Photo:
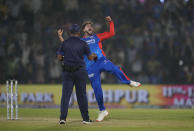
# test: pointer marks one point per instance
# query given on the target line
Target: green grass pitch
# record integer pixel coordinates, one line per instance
(118, 120)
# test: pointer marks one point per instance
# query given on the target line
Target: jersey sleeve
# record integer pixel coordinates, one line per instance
(60, 50)
(106, 35)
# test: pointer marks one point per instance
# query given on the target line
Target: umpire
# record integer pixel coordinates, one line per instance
(71, 53)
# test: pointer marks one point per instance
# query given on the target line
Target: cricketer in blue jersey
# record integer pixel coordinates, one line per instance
(102, 64)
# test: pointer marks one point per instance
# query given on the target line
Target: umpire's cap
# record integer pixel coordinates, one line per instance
(74, 28)
(85, 23)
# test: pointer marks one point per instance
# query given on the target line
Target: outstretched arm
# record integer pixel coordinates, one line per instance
(106, 35)
(60, 33)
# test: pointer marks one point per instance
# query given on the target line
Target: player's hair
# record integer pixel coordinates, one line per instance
(85, 23)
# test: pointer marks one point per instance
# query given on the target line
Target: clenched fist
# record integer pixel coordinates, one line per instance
(108, 18)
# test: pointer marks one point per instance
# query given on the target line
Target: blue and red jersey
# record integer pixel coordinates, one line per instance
(95, 43)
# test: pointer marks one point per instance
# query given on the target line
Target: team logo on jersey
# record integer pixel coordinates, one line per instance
(91, 41)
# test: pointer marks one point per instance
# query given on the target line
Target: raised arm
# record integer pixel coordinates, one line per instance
(60, 33)
(60, 52)
(106, 35)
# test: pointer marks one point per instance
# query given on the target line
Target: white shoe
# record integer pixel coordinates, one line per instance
(134, 84)
(87, 122)
(62, 122)
(101, 115)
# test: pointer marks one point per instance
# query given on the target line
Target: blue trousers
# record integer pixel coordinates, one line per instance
(104, 65)
(79, 79)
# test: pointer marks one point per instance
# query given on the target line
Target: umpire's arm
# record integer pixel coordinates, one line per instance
(60, 33)
(60, 52)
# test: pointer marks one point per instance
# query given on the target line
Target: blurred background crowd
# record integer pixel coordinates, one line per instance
(154, 41)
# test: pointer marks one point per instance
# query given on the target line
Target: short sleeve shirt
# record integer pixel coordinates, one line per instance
(73, 49)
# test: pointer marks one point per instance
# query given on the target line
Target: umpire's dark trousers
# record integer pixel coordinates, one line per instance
(78, 78)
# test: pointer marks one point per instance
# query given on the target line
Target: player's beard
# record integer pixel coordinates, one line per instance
(90, 32)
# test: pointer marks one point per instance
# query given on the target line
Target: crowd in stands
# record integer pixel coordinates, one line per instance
(154, 41)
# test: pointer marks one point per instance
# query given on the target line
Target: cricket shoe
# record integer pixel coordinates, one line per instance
(101, 115)
(134, 84)
(62, 122)
(87, 122)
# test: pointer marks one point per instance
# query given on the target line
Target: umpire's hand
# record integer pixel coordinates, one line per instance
(60, 32)
(93, 56)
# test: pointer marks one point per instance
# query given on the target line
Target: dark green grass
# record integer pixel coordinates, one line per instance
(118, 120)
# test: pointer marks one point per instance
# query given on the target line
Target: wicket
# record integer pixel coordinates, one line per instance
(12, 96)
